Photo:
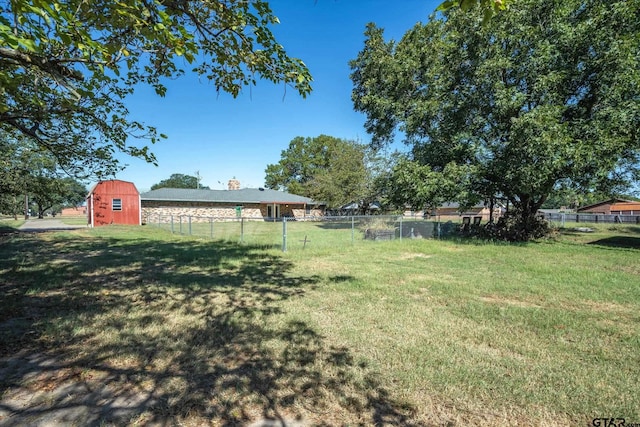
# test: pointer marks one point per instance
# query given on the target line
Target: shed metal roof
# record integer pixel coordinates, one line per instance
(245, 195)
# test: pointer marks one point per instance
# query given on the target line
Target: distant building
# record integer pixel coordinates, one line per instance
(612, 207)
(75, 211)
(114, 202)
(453, 211)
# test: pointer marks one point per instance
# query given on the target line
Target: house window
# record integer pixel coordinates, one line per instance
(116, 204)
(307, 210)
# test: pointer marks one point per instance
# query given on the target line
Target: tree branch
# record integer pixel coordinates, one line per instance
(46, 65)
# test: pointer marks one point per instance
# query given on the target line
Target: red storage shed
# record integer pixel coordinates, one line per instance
(114, 202)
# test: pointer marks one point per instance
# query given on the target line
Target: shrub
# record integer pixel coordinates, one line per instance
(513, 227)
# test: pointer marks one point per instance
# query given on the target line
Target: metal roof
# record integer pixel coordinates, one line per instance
(604, 202)
(245, 195)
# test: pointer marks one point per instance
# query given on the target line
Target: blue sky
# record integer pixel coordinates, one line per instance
(221, 137)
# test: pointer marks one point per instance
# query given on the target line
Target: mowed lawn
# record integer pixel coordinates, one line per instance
(134, 325)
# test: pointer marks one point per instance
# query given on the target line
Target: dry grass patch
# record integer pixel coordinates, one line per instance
(496, 299)
(412, 255)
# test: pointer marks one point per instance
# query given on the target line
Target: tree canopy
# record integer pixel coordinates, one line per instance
(333, 170)
(488, 7)
(342, 181)
(178, 180)
(51, 193)
(67, 66)
(299, 163)
(546, 96)
(27, 171)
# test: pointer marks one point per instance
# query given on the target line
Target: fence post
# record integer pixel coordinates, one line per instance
(400, 227)
(284, 234)
(159, 221)
(353, 230)
(241, 230)
(439, 231)
(172, 231)
(211, 227)
(180, 223)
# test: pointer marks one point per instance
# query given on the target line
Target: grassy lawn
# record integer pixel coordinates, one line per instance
(9, 225)
(336, 233)
(419, 332)
(73, 220)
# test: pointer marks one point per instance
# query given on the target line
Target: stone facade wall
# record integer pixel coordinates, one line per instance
(301, 214)
(154, 212)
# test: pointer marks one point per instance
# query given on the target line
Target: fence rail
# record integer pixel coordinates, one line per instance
(337, 232)
(318, 232)
(562, 218)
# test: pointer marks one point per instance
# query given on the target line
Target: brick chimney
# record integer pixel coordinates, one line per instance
(234, 184)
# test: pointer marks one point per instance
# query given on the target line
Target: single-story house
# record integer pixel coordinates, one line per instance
(612, 207)
(114, 202)
(250, 203)
(453, 211)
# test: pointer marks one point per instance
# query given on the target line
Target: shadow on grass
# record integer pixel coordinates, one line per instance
(338, 225)
(618, 242)
(108, 330)
(7, 230)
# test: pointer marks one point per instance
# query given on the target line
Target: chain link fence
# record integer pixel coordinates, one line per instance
(334, 232)
(562, 219)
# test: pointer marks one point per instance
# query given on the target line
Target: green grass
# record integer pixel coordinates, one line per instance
(418, 332)
(9, 225)
(338, 233)
(73, 220)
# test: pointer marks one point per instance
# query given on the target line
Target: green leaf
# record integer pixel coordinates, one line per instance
(466, 5)
(446, 5)
(82, 49)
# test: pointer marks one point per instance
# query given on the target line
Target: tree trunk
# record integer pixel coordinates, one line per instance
(527, 220)
(491, 205)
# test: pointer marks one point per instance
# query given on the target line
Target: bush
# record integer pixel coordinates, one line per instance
(514, 227)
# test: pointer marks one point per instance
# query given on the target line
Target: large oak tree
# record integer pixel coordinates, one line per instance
(26, 171)
(328, 169)
(547, 95)
(67, 67)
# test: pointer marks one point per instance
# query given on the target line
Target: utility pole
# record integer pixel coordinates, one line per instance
(198, 179)
(26, 206)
